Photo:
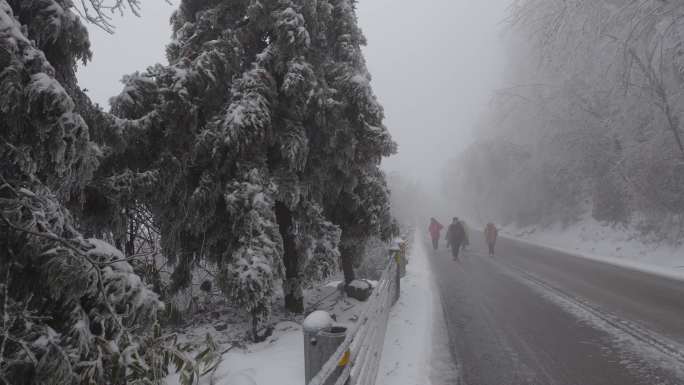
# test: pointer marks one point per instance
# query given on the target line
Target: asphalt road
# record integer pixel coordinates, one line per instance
(534, 316)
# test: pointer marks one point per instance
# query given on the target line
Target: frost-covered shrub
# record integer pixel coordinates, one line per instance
(376, 256)
(248, 276)
(73, 309)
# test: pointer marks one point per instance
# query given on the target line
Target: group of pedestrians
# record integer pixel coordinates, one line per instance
(457, 235)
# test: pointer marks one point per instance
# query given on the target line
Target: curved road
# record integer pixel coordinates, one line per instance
(535, 316)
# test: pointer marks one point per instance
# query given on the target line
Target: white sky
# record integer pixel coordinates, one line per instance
(434, 66)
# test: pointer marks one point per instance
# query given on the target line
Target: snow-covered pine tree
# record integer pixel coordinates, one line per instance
(355, 141)
(73, 311)
(263, 118)
(219, 196)
(202, 208)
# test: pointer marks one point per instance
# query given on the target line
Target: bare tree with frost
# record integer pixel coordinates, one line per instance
(596, 103)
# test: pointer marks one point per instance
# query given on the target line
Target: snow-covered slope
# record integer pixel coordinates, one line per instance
(613, 244)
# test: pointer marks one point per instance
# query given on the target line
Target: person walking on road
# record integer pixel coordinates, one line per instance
(490, 236)
(466, 239)
(455, 236)
(435, 229)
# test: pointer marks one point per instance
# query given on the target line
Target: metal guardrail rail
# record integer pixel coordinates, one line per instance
(360, 352)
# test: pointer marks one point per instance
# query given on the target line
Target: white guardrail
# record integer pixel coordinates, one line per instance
(359, 354)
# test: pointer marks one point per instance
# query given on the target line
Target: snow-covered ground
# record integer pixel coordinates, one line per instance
(617, 245)
(415, 351)
(279, 359)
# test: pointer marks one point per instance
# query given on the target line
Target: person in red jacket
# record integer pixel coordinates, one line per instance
(435, 229)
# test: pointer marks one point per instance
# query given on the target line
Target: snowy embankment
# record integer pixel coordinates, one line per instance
(279, 359)
(616, 245)
(415, 351)
(416, 344)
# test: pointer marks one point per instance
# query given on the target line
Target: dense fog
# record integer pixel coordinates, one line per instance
(587, 122)
(229, 166)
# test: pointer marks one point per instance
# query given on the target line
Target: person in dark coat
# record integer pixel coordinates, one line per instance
(435, 229)
(455, 236)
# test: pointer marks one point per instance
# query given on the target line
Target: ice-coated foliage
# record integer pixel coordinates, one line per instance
(248, 276)
(38, 114)
(73, 310)
(263, 134)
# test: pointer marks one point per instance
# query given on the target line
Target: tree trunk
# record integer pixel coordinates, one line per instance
(292, 284)
(130, 242)
(672, 122)
(347, 262)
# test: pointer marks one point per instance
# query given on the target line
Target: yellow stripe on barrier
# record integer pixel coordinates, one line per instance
(344, 361)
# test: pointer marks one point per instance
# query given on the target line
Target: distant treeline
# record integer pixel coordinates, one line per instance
(589, 123)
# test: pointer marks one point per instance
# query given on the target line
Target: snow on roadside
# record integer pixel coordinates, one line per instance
(414, 331)
(279, 359)
(615, 245)
(415, 350)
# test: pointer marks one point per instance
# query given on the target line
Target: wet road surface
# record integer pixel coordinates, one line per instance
(534, 316)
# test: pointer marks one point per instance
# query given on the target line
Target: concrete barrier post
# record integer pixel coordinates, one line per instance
(404, 252)
(395, 253)
(397, 284)
(321, 340)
